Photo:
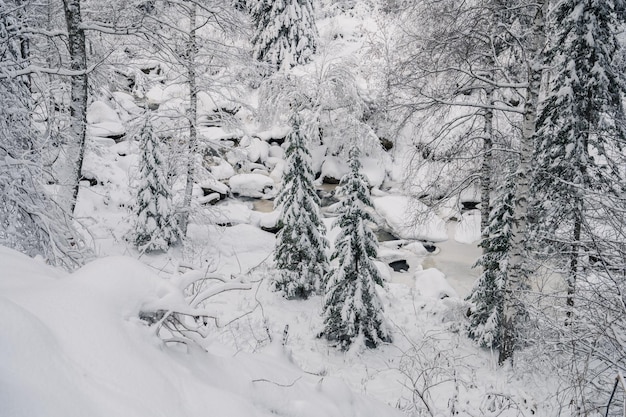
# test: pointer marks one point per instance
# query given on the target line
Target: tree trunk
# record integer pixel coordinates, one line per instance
(513, 308)
(78, 102)
(574, 271)
(191, 55)
(486, 169)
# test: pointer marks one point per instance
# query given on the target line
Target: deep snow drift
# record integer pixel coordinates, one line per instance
(73, 345)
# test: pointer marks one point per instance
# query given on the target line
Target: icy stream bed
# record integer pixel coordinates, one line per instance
(452, 258)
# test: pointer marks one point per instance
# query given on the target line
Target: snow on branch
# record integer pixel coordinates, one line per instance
(183, 316)
(36, 69)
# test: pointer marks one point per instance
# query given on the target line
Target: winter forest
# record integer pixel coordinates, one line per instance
(368, 208)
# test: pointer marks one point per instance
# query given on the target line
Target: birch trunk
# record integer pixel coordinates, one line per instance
(486, 169)
(75, 149)
(191, 55)
(513, 308)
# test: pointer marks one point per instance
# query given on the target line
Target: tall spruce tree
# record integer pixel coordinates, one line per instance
(581, 132)
(352, 307)
(486, 297)
(285, 33)
(300, 247)
(155, 227)
(579, 187)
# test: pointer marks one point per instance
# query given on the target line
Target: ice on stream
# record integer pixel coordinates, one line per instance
(452, 258)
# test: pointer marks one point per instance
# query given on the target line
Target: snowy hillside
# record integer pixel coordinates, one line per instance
(73, 345)
(165, 297)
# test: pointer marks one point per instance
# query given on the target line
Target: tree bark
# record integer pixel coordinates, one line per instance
(486, 169)
(191, 55)
(513, 308)
(78, 101)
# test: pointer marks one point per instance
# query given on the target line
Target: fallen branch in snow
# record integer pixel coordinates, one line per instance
(276, 383)
(184, 316)
(619, 381)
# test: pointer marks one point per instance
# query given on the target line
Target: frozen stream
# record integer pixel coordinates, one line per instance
(452, 258)
(455, 260)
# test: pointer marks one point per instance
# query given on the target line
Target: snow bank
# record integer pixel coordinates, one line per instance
(103, 121)
(432, 283)
(73, 346)
(252, 185)
(334, 168)
(468, 228)
(410, 219)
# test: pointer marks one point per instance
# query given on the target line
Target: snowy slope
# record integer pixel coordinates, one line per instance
(73, 345)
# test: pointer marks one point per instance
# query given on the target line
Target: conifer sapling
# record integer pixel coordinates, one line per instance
(155, 225)
(353, 310)
(487, 295)
(300, 247)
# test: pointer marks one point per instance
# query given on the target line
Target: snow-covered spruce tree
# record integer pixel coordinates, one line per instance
(300, 245)
(581, 132)
(579, 187)
(486, 296)
(285, 34)
(155, 227)
(352, 307)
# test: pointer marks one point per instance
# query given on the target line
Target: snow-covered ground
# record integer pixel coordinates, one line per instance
(73, 345)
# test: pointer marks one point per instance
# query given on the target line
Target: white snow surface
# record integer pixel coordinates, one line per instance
(468, 228)
(74, 346)
(432, 283)
(252, 185)
(333, 167)
(410, 219)
(103, 121)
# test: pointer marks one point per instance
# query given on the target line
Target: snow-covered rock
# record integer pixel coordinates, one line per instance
(318, 153)
(106, 130)
(410, 219)
(216, 133)
(374, 171)
(276, 151)
(252, 185)
(103, 121)
(100, 112)
(223, 170)
(276, 134)
(155, 95)
(256, 149)
(432, 283)
(333, 169)
(266, 221)
(209, 185)
(126, 102)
